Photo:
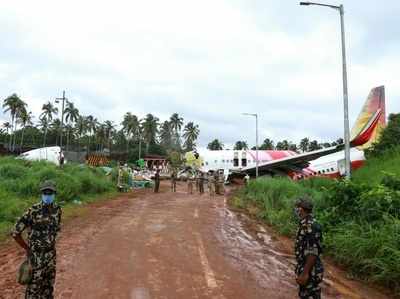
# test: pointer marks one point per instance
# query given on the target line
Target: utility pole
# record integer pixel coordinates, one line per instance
(340, 8)
(63, 99)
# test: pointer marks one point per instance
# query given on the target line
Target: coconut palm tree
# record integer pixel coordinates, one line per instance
(25, 119)
(80, 129)
(130, 126)
(71, 116)
(215, 145)
(109, 128)
(191, 132)
(92, 125)
(14, 105)
(46, 117)
(7, 126)
(150, 130)
(166, 134)
(176, 125)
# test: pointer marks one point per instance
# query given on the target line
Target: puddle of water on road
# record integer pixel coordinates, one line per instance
(268, 267)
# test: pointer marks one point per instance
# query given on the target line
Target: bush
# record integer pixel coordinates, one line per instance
(20, 181)
(361, 222)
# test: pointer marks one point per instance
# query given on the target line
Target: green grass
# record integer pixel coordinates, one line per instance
(360, 218)
(375, 168)
(20, 180)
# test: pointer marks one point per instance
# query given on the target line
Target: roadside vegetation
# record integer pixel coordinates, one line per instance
(20, 180)
(360, 218)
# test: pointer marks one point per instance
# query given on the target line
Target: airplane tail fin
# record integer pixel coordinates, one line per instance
(371, 120)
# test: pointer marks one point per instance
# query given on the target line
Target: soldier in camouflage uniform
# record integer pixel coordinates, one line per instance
(42, 222)
(308, 249)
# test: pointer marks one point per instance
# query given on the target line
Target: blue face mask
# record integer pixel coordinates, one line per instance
(48, 198)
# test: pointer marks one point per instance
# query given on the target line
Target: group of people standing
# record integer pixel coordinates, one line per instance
(213, 179)
(196, 182)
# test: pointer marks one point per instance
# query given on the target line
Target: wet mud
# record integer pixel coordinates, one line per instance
(172, 245)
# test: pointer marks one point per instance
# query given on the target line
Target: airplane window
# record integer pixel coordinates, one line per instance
(206, 163)
(332, 169)
(216, 161)
(319, 171)
(223, 161)
(323, 170)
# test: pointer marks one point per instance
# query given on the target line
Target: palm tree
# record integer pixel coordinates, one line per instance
(15, 105)
(7, 126)
(71, 116)
(241, 145)
(25, 119)
(92, 124)
(109, 128)
(166, 134)
(130, 125)
(150, 130)
(215, 145)
(191, 132)
(80, 129)
(46, 117)
(304, 144)
(176, 125)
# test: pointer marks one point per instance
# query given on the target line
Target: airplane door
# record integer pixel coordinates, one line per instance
(235, 159)
(244, 159)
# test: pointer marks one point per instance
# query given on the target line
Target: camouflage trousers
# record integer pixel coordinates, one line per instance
(211, 188)
(43, 276)
(312, 289)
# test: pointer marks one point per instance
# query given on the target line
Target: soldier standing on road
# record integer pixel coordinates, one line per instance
(157, 181)
(211, 183)
(43, 222)
(197, 180)
(190, 182)
(308, 249)
(173, 181)
(221, 181)
(201, 183)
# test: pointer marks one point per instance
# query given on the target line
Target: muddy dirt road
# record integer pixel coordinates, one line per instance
(171, 246)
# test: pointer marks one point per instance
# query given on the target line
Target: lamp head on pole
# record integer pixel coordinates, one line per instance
(304, 3)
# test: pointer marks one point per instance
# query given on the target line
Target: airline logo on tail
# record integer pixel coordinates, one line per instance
(371, 120)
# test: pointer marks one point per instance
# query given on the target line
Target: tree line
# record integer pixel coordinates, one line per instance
(86, 132)
(305, 145)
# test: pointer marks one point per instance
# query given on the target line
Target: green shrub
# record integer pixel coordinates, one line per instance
(360, 221)
(20, 181)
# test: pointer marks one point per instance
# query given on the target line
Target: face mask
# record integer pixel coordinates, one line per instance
(48, 198)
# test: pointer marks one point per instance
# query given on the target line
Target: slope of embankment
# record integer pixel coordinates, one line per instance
(360, 218)
(20, 181)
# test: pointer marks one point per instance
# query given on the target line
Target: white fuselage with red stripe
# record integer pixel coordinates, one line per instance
(235, 160)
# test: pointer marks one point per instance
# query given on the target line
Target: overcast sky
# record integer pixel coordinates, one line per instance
(207, 60)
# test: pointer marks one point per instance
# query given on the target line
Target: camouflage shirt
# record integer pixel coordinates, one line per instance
(42, 222)
(308, 241)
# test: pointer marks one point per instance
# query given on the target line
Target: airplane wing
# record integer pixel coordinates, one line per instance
(291, 163)
(366, 131)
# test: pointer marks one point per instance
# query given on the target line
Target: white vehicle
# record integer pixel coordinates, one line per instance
(50, 154)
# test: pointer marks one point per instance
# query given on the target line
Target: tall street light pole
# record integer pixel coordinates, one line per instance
(345, 92)
(63, 99)
(256, 116)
